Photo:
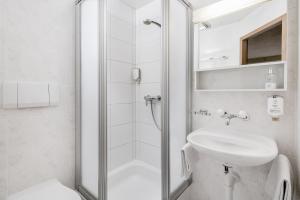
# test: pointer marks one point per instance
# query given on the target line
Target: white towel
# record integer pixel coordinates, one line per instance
(186, 169)
(279, 184)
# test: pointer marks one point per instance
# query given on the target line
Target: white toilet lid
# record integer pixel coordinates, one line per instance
(49, 190)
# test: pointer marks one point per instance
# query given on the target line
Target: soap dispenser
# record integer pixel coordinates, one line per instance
(270, 80)
(275, 107)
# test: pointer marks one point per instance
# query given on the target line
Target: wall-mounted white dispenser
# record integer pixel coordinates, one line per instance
(275, 107)
(136, 75)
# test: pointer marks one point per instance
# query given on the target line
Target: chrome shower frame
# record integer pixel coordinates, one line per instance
(165, 143)
(165, 147)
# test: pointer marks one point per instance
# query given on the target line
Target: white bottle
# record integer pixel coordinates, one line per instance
(271, 80)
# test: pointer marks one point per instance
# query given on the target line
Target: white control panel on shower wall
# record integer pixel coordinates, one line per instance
(20, 94)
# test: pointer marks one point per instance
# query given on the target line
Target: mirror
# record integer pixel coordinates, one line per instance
(243, 32)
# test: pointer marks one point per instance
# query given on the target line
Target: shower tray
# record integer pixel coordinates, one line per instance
(134, 181)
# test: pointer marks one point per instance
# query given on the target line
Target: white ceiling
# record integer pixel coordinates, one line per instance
(137, 3)
(195, 3)
(201, 3)
(232, 18)
(215, 20)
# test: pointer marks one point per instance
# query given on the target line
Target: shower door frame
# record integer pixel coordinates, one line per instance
(165, 145)
(165, 119)
(102, 46)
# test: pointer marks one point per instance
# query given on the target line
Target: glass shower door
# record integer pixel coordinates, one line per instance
(122, 146)
(177, 86)
(88, 97)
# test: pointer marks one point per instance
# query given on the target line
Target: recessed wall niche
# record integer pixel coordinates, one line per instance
(265, 44)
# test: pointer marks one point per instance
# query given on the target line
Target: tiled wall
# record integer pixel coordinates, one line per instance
(121, 89)
(208, 175)
(37, 44)
(132, 133)
(148, 51)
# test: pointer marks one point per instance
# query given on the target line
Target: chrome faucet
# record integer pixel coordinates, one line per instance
(228, 116)
(152, 99)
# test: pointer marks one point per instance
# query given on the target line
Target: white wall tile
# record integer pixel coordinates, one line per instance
(121, 93)
(121, 135)
(151, 72)
(148, 52)
(148, 153)
(120, 72)
(121, 114)
(147, 34)
(121, 51)
(121, 10)
(148, 134)
(121, 29)
(121, 155)
(143, 113)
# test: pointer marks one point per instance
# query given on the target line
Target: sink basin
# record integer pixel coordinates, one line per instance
(234, 149)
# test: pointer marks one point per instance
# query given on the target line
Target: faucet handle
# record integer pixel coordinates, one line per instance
(243, 115)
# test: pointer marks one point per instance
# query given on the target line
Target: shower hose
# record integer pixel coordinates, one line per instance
(153, 116)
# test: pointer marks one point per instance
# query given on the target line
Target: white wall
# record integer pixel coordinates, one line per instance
(208, 174)
(37, 43)
(121, 59)
(148, 59)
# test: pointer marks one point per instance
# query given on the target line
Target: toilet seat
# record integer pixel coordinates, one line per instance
(49, 190)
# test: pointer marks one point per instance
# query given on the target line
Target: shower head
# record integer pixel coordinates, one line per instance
(204, 26)
(149, 22)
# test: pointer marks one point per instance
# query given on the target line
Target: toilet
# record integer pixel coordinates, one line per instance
(49, 190)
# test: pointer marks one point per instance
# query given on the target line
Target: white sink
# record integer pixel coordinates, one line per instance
(234, 149)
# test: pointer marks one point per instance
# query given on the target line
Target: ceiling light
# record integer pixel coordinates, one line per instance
(222, 8)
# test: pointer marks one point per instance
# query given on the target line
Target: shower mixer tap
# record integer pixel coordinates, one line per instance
(152, 99)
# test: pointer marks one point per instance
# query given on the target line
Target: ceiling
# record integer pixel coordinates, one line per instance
(201, 3)
(207, 13)
(232, 18)
(196, 3)
(137, 3)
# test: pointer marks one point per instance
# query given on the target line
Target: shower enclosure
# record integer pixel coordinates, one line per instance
(133, 98)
